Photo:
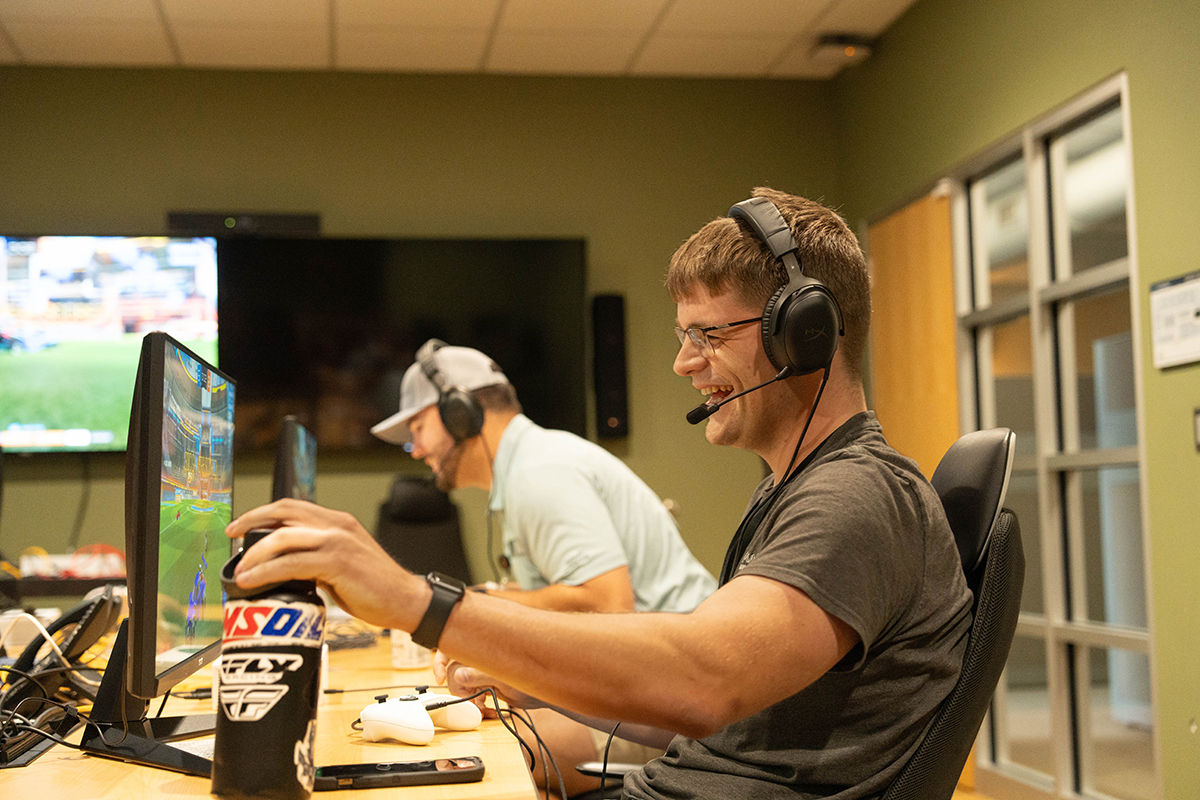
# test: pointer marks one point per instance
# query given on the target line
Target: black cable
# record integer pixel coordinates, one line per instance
(385, 688)
(548, 759)
(27, 676)
(8, 723)
(604, 763)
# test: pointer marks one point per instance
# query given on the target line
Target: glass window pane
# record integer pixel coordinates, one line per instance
(1115, 725)
(1005, 231)
(1012, 377)
(1112, 540)
(1022, 499)
(1094, 188)
(1022, 733)
(1105, 398)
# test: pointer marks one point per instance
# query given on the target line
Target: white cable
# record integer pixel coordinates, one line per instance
(53, 644)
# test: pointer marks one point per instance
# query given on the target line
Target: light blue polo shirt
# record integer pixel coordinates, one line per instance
(571, 511)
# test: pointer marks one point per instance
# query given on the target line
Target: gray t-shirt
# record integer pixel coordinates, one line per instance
(571, 511)
(862, 533)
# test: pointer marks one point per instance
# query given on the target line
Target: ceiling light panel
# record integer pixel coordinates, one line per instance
(463, 14)
(392, 48)
(92, 43)
(78, 10)
(593, 16)
(549, 53)
(780, 18)
(252, 47)
(276, 14)
(703, 56)
(870, 17)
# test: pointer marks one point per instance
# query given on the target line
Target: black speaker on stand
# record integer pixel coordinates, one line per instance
(608, 366)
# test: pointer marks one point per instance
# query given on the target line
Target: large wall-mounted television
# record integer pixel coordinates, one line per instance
(323, 329)
(73, 310)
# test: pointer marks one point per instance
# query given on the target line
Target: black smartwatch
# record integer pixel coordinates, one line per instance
(447, 592)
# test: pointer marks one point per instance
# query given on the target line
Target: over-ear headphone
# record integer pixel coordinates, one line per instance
(802, 321)
(460, 411)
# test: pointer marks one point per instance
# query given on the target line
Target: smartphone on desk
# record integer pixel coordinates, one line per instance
(465, 769)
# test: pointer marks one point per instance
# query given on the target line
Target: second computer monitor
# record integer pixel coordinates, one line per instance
(295, 462)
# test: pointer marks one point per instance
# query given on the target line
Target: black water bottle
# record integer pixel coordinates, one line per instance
(267, 688)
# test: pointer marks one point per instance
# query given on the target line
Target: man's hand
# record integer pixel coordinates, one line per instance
(464, 681)
(331, 547)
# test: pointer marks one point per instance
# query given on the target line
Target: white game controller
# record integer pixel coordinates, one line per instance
(412, 718)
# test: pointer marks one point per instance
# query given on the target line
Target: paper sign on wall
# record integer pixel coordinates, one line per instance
(1175, 320)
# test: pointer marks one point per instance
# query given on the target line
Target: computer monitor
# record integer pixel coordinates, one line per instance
(295, 462)
(178, 500)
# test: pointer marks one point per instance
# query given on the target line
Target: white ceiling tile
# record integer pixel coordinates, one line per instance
(78, 10)
(754, 17)
(594, 16)
(868, 17)
(7, 54)
(547, 53)
(420, 13)
(252, 47)
(691, 55)
(92, 43)
(394, 49)
(683, 37)
(229, 13)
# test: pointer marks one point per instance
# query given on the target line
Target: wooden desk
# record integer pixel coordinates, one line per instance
(72, 775)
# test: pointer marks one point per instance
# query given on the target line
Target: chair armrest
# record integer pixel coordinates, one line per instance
(596, 769)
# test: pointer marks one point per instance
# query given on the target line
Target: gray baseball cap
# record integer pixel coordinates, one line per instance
(459, 367)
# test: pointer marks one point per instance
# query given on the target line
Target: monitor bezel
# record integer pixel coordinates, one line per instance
(142, 503)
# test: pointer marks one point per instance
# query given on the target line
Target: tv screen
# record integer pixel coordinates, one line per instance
(73, 310)
(323, 329)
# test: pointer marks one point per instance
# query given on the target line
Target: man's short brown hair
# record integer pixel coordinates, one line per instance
(498, 397)
(727, 255)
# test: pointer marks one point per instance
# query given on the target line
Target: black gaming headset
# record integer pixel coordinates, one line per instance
(801, 322)
(460, 411)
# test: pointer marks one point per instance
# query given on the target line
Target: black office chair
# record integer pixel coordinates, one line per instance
(972, 480)
(419, 527)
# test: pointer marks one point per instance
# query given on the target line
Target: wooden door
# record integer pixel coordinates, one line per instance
(914, 388)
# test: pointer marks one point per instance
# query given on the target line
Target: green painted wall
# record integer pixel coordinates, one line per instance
(633, 166)
(951, 78)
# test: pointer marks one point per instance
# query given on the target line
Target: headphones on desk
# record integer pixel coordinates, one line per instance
(801, 322)
(460, 412)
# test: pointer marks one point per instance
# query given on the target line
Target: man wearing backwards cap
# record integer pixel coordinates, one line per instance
(581, 532)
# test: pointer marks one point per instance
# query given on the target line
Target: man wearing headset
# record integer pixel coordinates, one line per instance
(580, 531)
(842, 614)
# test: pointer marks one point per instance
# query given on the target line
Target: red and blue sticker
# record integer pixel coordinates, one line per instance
(266, 623)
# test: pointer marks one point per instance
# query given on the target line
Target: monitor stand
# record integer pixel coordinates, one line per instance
(120, 729)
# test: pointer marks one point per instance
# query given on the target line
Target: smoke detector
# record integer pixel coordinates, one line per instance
(841, 49)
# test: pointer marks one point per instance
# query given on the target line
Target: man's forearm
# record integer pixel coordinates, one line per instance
(560, 597)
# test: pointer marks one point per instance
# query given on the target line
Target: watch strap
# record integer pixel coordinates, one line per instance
(447, 592)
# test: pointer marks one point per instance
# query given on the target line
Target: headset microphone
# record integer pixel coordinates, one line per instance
(705, 410)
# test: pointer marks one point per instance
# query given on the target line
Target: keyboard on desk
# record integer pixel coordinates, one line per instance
(202, 747)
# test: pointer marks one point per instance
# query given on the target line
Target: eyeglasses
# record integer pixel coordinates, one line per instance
(699, 336)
